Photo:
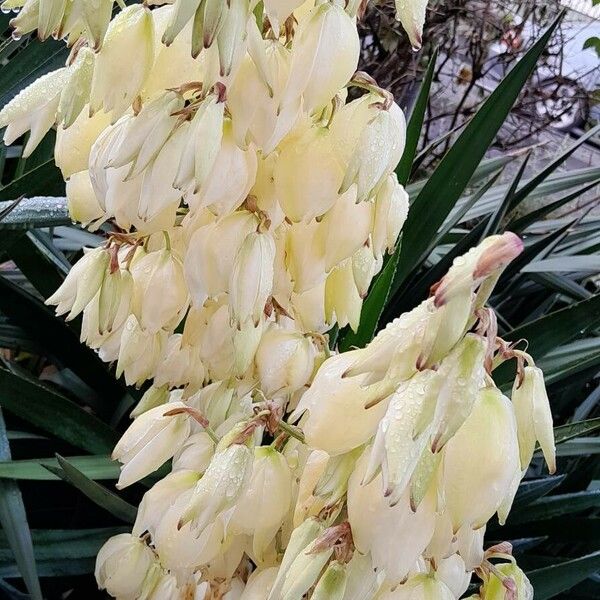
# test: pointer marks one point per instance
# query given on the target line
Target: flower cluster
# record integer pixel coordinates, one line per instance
(248, 203)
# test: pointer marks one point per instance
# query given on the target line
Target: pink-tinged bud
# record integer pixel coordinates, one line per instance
(470, 271)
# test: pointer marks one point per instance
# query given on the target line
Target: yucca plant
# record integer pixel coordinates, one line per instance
(64, 409)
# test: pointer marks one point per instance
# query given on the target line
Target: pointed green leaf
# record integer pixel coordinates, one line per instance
(14, 523)
(415, 123)
(97, 493)
(550, 581)
(452, 175)
(48, 410)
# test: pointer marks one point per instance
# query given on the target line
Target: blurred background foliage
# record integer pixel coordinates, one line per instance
(489, 149)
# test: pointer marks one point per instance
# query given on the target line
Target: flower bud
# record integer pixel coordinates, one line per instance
(96, 18)
(404, 432)
(202, 145)
(150, 441)
(81, 200)
(265, 502)
(195, 454)
(391, 210)
(337, 420)
(232, 176)
(153, 397)
(139, 352)
(348, 225)
(482, 264)
(129, 38)
(343, 302)
(309, 151)
(301, 539)
(33, 109)
(378, 150)
(489, 437)
(507, 581)
(332, 584)
(220, 487)
(304, 571)
(278, 11)
(146, 133)
(122, 566)
(211, 253)
(81, 284)
(305, 255)
(534, 417)
(231, 38)
(73, 145)
(362, 581)
(364, 267)
(411, 13)
(160, 497)
(463, 375)
(251, 280)
(76, 93)
(284, 361)
(453, 572)
(259, 584)
(258, 119)
(420, 587)
(324, 56)
(394, 535)
(161, 270)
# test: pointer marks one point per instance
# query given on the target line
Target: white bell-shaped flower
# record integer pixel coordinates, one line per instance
(390, 212)
(81, 200)
(265, 502)
(161, 270)
(343, 301)
(259, 584)
(284, 360)
(394, 535)
(123, 565)
(160, 497)
(251, 280)
(130, 37)
(309, 150)
(150, 441)
(488, 436)
(411, 13)
(324, 56)
(76, 93)
(337, 420)
(534, 417)
(211, 253)
(82, 283)
(33, 109)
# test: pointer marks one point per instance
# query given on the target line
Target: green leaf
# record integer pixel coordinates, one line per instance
(498, 215)
(58, 339)
(38, 211)
(31, 62)
(94, 467)
(372, 307)
(565, 264)
(532, 490)
(537, 215)
(535, 181)
(97, 493)
(14, 523)
(550, 581)
(415, 123)
(570, 431)
(448, 181)
(54, 413)
(44, 180)
(558, 328)
(51, 567)
(64, 543)
(555, 506)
